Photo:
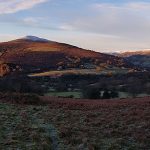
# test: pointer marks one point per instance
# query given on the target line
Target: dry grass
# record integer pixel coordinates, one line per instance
(65, 72)
(93, 124)
(18, 98)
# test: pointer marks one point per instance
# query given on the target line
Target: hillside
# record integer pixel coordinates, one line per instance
(75, 124)
(33, 53)
(132, 53)
(138, 58)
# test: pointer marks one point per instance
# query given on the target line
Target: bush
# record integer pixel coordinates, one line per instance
(91, 93)
(106, 95)
(20, 84)
(18, 98)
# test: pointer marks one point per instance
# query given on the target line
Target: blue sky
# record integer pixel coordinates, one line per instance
(101, 25)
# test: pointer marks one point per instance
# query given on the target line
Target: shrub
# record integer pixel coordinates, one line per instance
(18, 98)
(91, 93)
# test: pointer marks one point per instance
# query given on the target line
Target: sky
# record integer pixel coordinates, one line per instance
(100, 25)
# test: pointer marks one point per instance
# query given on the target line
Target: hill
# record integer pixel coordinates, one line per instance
(138, 58)
(33, 53)
(132, 53)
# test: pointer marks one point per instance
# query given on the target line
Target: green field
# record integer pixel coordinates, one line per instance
(78, 95)
(65, 94)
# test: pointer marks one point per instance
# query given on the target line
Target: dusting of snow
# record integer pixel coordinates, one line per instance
(35, 39)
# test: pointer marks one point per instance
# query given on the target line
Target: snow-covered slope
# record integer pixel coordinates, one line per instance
(35, 39)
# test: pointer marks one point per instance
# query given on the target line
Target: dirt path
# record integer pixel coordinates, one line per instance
(56, 142)
(49, 128)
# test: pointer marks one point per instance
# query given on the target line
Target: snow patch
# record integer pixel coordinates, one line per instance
(35, 39)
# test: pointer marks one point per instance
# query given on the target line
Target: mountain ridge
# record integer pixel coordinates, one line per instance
(131, 53)
(138, 58)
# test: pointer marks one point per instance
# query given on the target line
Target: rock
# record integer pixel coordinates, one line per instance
(4, 69)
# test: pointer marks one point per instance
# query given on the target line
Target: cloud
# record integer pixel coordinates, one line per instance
(127, 20)
(125, 6)
(31, 21)
(12, 6)
(66, 27)
(108, 26)
(138, 5)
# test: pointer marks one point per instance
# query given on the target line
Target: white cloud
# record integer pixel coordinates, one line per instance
(66, 27)
(110, 26)
(99, 26)
(128, 20)
(128, 6)
(12, 6)
(31, 21)
(138, 5)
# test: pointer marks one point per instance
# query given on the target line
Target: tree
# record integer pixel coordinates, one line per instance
(114, 94)
(91, 93)
(106, 95)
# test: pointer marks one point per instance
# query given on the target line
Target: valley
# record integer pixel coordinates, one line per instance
(58, 96)
(74, 75)
(46, 67)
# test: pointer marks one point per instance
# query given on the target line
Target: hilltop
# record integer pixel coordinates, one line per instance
(131, 53)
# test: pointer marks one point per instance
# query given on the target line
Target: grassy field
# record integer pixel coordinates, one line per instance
(68, 124)
(62, 72)
(65, 94)
(79, 71)
(79, 95)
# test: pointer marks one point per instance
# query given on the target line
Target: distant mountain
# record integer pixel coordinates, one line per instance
(138, 58)
(34, 53)
(133, 53)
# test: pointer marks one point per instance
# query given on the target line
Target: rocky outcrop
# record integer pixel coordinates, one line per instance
(4, 69)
